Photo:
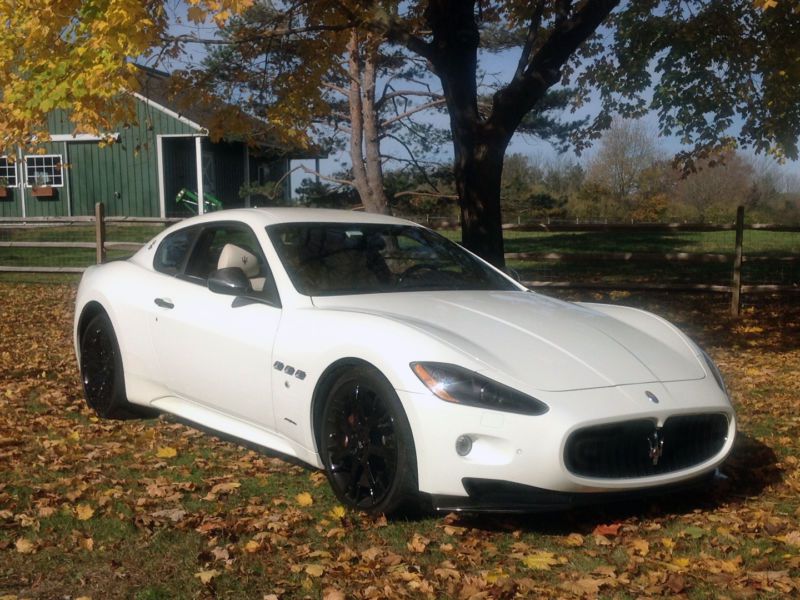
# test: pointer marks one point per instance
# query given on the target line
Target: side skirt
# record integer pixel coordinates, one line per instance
(232, 429)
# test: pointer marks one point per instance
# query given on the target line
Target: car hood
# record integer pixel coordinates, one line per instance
(544, 343)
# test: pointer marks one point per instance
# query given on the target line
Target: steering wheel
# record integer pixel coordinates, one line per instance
(415, 269)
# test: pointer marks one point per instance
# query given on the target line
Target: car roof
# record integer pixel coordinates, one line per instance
(262, 217)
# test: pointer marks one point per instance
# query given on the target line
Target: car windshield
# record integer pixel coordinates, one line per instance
(328, 259)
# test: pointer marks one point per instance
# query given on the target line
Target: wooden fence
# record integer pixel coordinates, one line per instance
(736, 287)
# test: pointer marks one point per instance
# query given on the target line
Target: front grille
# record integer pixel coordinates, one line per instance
(624, 450)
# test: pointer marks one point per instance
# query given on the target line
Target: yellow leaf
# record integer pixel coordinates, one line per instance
(681, 563)
(304, 499)
(25, 546)
(540, 560)
(495, 576)
(84, 512)
(206, 576)
(225, 487)
(338, 512)
(252, 546)
(640, 547)
(74, 436)
(315, 570)
(418, 543)
(792, 538)
(574, 539)
(196, 14)
(166, 452)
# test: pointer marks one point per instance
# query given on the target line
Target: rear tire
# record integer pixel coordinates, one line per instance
(367, 446)
(102, 373)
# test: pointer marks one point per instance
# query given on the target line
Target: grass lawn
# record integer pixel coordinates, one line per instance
(763, 243)
(155, 509)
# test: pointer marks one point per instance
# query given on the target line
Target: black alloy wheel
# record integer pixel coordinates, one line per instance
(101, 370)
(367, 445)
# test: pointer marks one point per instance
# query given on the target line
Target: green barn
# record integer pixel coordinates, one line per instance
(168, 150)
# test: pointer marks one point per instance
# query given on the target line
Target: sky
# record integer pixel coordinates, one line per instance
(497, 68)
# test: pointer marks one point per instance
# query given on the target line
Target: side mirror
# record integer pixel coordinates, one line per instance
(230, 281)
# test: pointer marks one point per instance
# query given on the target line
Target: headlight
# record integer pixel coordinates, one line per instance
(456, 384)
(714, 371)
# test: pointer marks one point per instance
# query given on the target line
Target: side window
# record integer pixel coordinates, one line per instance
(230, 245)
(172, 251)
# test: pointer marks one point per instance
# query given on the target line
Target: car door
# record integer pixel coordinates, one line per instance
(215, 349)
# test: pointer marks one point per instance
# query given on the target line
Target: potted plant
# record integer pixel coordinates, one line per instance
(4, 192)
(40, 187)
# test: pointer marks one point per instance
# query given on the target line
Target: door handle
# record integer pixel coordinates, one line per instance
(164, 303)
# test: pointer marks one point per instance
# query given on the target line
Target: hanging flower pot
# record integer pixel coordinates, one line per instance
(4, 193)
(44, 191)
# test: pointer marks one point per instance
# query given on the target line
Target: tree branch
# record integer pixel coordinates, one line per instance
(413, 160)
(515, 100)
(396, 33)
(427, 194)
(335, 88)
(530, 38)
(186, 38)
(416, 109)
(404, 93)
(346, 182)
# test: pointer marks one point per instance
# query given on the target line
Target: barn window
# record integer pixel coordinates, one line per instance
(8, 172)
(44, 170)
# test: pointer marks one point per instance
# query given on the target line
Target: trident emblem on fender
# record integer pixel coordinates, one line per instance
(656, 446)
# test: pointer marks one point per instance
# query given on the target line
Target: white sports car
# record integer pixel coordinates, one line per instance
(397, 361)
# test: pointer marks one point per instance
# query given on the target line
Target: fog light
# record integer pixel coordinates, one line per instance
(463, 445)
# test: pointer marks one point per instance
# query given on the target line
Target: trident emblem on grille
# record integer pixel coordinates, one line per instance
(656, 446)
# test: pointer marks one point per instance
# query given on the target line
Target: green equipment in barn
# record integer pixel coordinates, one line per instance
(187, 199)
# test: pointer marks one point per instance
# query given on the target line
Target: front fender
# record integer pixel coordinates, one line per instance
(310, 340)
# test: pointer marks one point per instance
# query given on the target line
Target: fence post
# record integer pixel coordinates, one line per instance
(736, 284)
(100, 231)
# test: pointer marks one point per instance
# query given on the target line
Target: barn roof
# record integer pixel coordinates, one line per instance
(212, 115)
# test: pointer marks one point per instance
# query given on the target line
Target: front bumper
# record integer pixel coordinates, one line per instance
(528, 451)
(485, 495)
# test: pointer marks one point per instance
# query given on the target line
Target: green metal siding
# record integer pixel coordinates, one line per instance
(10, 206)
(58, 122)
(124, 175)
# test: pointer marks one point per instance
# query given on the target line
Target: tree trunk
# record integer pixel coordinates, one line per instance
(372, 140)
(478, 148)
(478, 169)
(480, 143)
(365, 153)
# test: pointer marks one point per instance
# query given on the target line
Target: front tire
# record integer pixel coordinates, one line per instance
(101, 370)
(367, 446)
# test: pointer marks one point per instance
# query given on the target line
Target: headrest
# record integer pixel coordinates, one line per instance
(235, 256)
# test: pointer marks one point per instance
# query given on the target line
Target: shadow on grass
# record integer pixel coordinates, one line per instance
(749, 470)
